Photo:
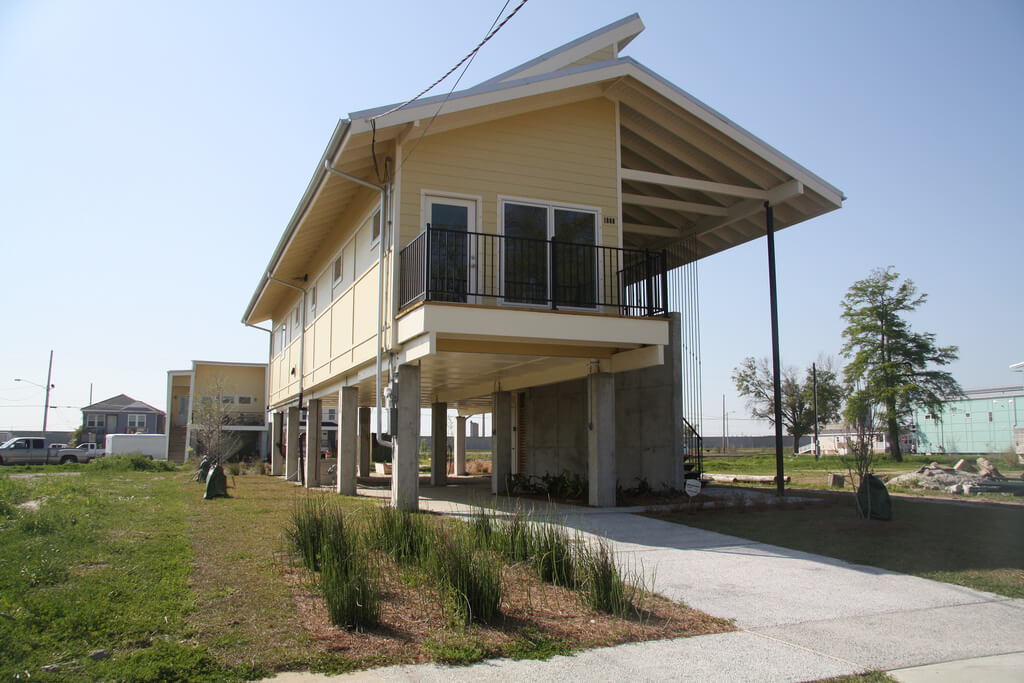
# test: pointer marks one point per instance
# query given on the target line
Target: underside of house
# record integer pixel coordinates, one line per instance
(527, 247)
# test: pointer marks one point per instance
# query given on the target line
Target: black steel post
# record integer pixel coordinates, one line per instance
(664, 282)
(554, 269)
(648, 290)
(770, 229)
(426, 263)
(814, 380)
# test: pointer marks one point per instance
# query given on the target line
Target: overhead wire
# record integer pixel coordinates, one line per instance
(470, 56)
(426, 128)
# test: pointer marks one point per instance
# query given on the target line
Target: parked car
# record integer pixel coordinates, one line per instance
(58, 446)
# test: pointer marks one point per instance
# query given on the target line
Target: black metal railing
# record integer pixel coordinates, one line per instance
(456, 266)
(693, 451)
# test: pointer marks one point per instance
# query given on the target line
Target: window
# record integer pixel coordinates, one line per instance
(339, 269)
(990, 416)
(245, 400)
(94, 421)
(375, 228)
(535, 234)
(227, 399)
(312, 302)
(332, 415)
(137, 422)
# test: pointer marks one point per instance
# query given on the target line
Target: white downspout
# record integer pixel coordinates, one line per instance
(384, 213)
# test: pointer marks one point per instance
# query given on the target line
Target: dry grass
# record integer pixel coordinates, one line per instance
(256, 607)
(478, 466)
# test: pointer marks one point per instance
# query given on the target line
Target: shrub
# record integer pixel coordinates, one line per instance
(130, 463)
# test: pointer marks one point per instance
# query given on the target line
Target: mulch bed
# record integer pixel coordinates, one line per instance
(530, 608)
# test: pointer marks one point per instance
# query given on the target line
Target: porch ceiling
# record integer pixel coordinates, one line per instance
(685, 180)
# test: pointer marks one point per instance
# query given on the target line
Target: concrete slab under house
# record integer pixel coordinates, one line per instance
(526, 247)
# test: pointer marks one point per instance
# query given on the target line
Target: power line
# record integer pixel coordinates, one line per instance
(454, 85)
(489, 35)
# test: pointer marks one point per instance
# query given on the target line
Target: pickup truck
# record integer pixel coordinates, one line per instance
(27, 450)
(83, 452)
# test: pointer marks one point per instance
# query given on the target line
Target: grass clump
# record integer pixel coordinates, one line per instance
(352, 596)
(606, 587)
(399, 533)
(458, 652)
(470, 575)
(554, 558)
(131, 463)
(306, 530)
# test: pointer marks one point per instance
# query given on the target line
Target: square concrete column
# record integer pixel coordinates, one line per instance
(439, 444)
(276, 443)
(601, 470)
(348, 439)
(460, 446)
(405, 464)
(312, 443)
(501, 442)
(365, 442)
(291, 445)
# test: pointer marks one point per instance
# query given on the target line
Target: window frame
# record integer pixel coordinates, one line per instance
(134, 418)
(551, 207)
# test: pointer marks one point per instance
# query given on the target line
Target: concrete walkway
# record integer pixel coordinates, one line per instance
(802, 616)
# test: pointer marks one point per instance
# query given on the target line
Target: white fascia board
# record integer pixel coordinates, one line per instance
(229, 363)
(721, 123)
(616, 35)
(494, 94)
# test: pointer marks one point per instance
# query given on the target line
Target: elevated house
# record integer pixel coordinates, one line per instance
(525, 247)
(241, 388)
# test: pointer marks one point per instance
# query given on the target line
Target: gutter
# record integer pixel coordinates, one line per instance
(380, 282)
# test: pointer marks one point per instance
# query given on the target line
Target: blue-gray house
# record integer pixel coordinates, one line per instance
(120, 415)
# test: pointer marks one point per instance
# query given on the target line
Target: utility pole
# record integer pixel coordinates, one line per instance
(814, 380)
(723, 424)
(90, 393)
(46, 404)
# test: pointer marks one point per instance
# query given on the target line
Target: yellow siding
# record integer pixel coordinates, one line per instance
(565, 154)
(234, 380)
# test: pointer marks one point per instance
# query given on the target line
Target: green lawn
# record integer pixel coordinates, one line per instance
(805, 472)
(970, 544)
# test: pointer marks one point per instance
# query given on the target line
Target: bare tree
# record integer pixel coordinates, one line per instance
(860, 455)
(211, 413)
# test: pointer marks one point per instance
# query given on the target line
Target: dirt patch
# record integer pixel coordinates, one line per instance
(530, 608)
(30, 505)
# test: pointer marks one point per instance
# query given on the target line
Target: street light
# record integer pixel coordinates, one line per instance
(47, 387)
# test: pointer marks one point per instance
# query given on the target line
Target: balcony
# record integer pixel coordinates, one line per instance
(478, 268)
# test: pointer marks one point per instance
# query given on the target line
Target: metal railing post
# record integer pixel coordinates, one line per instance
(554, 279)
(649, 290)
(426, 263)
(664, 282)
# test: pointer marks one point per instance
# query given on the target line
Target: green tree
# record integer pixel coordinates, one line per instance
(893, 366)
(754, 380)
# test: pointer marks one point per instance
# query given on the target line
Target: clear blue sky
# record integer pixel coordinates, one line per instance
(151, 154)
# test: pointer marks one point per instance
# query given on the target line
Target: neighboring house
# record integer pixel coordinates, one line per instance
(120, 414)
(525, 247)
(981, 421)
(240, 387)
(839, 439)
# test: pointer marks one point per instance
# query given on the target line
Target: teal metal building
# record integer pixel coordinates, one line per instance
(981, 422)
